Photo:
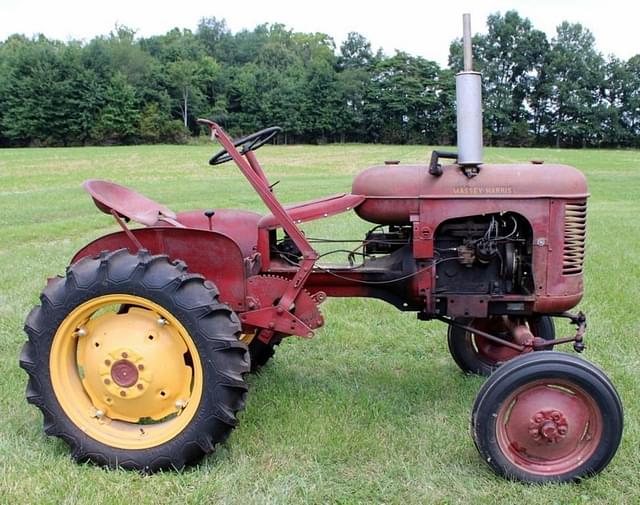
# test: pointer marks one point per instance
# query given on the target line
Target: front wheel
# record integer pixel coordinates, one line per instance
(547, 417)
(477, 355)
(134, 362)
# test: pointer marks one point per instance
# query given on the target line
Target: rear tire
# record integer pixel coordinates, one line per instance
(476, 355)
(261, 353)
(547, 417)
(134, 362)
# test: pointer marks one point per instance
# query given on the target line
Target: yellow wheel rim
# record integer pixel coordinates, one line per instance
(131, 380)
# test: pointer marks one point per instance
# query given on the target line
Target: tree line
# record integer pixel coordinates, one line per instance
(121, 89)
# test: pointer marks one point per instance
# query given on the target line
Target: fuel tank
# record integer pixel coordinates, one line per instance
(393, 192)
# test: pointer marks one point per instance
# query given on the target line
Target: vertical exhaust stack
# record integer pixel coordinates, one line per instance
(469, 105)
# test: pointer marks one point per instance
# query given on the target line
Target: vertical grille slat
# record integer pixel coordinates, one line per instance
(575, 232)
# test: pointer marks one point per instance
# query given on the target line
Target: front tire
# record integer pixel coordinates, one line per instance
(547, 417)
(134, 363)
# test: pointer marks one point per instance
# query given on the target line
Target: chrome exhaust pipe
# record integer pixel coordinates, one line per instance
(469, 105)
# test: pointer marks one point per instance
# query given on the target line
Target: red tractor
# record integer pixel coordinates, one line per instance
(137, 355)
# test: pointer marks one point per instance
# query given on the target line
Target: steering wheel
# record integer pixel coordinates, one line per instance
(245, 144)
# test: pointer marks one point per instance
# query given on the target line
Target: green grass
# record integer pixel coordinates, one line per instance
(373, 410)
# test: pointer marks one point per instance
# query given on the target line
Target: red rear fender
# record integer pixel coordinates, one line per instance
(213, 255)
(239, 225)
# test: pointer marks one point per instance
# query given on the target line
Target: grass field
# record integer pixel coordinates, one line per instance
(371, 411)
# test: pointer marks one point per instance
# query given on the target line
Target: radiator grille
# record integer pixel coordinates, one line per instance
(575, 230)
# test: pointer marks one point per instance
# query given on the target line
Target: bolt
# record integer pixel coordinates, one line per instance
(140, 386)
(107, 362)
(140, 367)
(279, 310)
(562, 430)
(180, 404)
(549, 430)
(123, 393)
(272, 325)
(538, 418)
(124, 355)
(162, 321)
(81, 332)
(99, 413)
(107, 381)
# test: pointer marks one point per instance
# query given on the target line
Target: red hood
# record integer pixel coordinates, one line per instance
(493, 181)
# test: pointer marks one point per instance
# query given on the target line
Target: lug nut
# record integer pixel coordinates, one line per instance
(81, 332)
(140, 386)
(123, 393)
(180, 404)
(124, 355)
(99, 413)
(107, 381)
(107, 362)
(162, 321)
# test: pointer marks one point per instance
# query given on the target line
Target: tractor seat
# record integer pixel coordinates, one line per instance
(315, 209)
(127, 203)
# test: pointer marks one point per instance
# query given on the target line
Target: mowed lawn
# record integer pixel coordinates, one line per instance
(372, 410)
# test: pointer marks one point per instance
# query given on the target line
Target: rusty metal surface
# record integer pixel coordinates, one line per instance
(393, 192)
(265, 292)
(239, 225)
(550, 197)
(213, 255)
(128, 203)
(315, 209)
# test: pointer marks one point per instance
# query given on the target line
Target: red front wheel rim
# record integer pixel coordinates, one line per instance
(549, 427)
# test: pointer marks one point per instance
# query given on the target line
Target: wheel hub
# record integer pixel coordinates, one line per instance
(133, 367)
(548, 425)
(123, 369)
(124, 373)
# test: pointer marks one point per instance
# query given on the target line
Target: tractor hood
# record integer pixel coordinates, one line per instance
(393, 191)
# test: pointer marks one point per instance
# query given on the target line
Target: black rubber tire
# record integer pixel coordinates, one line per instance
(465, 355)
(213, 327)
(533, 367)
(261, 353)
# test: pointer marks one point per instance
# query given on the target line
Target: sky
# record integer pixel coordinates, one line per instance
(422, 28)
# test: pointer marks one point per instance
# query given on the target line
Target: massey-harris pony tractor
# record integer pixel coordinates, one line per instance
(137, 355)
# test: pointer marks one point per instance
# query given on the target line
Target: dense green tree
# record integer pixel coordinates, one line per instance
(356, 63)
(48, 97)
(576, 72)
(118, 119)
(629, 101)
(402, 100)
(213, 33)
